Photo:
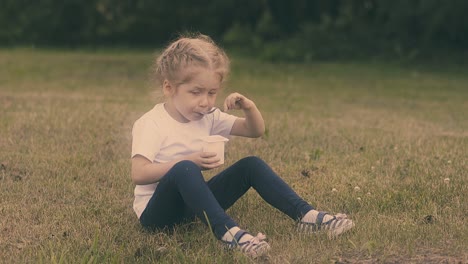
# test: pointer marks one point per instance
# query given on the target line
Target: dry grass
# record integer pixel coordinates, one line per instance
(396, 132)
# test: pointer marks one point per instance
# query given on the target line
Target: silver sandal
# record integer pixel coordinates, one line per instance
(334, 227)
(255, 247)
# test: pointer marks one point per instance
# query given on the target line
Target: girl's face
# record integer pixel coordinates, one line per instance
(190, 100)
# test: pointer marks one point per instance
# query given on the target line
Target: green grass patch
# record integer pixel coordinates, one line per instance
(385, 143)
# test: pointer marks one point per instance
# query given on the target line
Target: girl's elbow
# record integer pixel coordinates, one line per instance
(135, 179)
(260, 131)
(257, 133)
(138, 179)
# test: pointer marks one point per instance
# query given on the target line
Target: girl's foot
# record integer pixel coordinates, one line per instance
(315, 221)
(252, 246)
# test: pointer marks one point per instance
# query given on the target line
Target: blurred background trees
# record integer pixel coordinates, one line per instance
(298, 30)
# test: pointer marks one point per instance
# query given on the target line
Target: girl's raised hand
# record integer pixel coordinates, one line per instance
(205, 160)
(237, 101)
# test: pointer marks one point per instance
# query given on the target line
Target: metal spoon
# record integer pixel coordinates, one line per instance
(214, 108)
(211, 110)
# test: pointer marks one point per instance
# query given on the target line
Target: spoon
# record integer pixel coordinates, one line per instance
(211, 110)
(214, 108)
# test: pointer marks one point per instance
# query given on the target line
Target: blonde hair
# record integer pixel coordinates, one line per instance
(193, 50)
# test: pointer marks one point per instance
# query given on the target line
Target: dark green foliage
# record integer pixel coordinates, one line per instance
(297, 30)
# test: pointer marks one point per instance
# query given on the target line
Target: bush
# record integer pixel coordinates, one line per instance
(276, 30)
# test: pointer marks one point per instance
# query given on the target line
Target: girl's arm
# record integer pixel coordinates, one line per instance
(252, 125)
(146, 172)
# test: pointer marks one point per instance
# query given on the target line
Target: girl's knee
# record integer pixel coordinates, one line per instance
(259, 174)
(253, 161)
(255, 167)
(185, 169)
(185, 166)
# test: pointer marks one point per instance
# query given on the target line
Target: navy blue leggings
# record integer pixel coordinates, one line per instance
(183, 194)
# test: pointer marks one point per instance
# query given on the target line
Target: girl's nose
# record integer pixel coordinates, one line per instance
(204, 101)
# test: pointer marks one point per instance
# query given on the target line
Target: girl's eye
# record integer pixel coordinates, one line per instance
(195, 92)
(212, 93)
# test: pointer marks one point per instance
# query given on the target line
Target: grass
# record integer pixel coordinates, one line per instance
(398, 132)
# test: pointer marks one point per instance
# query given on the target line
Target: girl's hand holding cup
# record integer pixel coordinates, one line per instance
(205, 160)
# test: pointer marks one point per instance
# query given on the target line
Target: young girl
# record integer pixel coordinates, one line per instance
(167, 160)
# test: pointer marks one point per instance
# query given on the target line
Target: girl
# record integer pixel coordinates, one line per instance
(167, 160)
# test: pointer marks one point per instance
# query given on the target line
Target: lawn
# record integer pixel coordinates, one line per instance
(386, 143)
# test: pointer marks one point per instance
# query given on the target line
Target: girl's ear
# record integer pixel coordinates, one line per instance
(167, 88)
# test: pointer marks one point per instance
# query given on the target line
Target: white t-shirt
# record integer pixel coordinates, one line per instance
(160, 138)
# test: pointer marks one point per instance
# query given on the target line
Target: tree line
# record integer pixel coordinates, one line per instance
(273, 29)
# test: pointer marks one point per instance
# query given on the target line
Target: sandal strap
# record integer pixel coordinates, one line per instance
(238, 236)
(336, 225)
(254, 247)
(329, 221)
(320, 217)
(255, 244)
(319, 224)
(235, 241)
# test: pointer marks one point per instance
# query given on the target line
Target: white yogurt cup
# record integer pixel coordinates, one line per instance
(215, 144)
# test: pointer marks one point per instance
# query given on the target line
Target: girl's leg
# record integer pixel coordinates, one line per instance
(183, 192)
(232, 183)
